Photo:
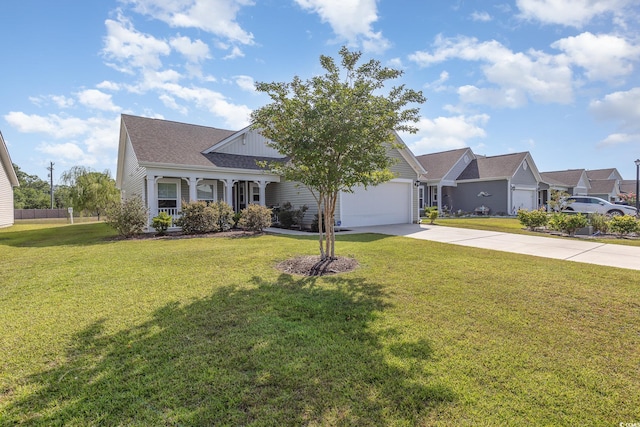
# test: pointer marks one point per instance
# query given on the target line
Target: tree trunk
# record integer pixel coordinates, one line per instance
(320, 233)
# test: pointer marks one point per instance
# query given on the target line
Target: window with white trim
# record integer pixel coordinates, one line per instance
(206, 192)
(167, 195)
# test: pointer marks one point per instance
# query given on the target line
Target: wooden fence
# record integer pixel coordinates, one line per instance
(40, 213)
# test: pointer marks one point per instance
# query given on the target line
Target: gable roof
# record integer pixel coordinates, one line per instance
(502, 166)
(603, 186)
(439, 164)
(7, 164)
(167, 142)
(628, 186)
(597, 174)
(569, 178)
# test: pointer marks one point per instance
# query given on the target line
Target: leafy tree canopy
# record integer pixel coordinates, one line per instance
(89, 190)
(33, 192)
(336, 129)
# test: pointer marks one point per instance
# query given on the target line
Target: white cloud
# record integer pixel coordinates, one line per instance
(107, 85)
(236, 52)
(130, 48)
(481, 16)
(213, 16)
(603, 56)
(533, 75)
(624, 109)
(194, 51)
(92, 138)
(445, 133)
(245, 83)
(97, 100)
(170, 102)
(60, 101)
(351, 20)
(573, 13)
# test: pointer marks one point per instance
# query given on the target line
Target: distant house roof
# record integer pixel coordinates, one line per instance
(628, 186)
(439, 164)
(569, 178)
(597, 174)
(502, 166)
(603, 186)
(167, 142)
(7, 164)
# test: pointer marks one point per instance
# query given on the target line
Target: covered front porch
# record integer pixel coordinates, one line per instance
(166, 192)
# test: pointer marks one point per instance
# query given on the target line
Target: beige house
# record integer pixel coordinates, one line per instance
(166, 163)
(8, 180)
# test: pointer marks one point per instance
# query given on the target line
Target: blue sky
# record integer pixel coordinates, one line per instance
(557, 78)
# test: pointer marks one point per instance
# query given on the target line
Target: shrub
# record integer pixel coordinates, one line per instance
(599, 222)
(255, 217)
(289, 217)
(129, 217)
(162, 222)
(433, 215)
(623, 225)
(225, 215)
(557, 221)
(314, 224)
(573, 222)
(533, 219)
(197, 218)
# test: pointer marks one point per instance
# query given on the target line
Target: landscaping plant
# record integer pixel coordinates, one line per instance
(162, 222)
(128, 217)
(197, 218)
(225, 215)
(533, 219)
(624, 225)
(255, 218)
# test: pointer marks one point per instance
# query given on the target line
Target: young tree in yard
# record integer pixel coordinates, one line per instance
(335, 129)
(89, 190)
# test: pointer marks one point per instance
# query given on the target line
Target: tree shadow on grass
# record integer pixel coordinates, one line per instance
(285, 352)
(63, 235)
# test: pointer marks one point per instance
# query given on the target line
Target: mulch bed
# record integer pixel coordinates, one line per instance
(312, 265)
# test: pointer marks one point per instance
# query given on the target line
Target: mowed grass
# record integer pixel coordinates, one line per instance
(205, 331)
(512, 225)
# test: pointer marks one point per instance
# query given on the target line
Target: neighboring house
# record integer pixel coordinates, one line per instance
(167, 163)
(503, 184)
(628, 186)
(459, 180)
(605, 183)
(8, 180)
(443, 169)
(572, 181)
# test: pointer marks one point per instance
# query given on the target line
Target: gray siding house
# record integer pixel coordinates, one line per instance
(461, 181)
(167, 163)
(8, 180)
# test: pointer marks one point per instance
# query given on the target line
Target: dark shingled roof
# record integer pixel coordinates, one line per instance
(628, 186)
(167, 142)
(503, 166)
(602, 186)
(600, 173)
(438, 164)
(569, 178)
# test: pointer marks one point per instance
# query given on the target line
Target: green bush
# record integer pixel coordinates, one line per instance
(573, 222)
(197, 218)
(255, 218)
(533, 219)
(557, 221)
(225, 215)
(129, 217)
(162, 222)
(433, 215)
(623, 225)
(289, 217)
(599, 222)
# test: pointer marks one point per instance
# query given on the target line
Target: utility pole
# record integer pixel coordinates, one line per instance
(50, 169)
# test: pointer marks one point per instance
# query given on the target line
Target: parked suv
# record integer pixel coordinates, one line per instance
(588, 204)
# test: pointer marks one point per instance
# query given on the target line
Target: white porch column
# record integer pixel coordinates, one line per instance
(193, 193)
(229, 191)
(152, 200)
(262, 185)
(439, 197)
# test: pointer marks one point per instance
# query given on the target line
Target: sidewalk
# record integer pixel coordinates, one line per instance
(577, 250)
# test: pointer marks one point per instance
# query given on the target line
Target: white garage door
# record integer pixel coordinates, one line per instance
(524, 199)
(388, 203)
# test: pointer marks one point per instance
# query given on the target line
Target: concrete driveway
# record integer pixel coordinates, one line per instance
(578, 250)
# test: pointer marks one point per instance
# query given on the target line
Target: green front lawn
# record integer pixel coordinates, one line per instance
(205, 331)
(512, 225)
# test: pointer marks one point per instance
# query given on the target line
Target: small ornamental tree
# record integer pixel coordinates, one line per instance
(335, 130)
(559, 200)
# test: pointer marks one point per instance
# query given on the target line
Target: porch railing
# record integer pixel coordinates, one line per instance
(172, 212)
